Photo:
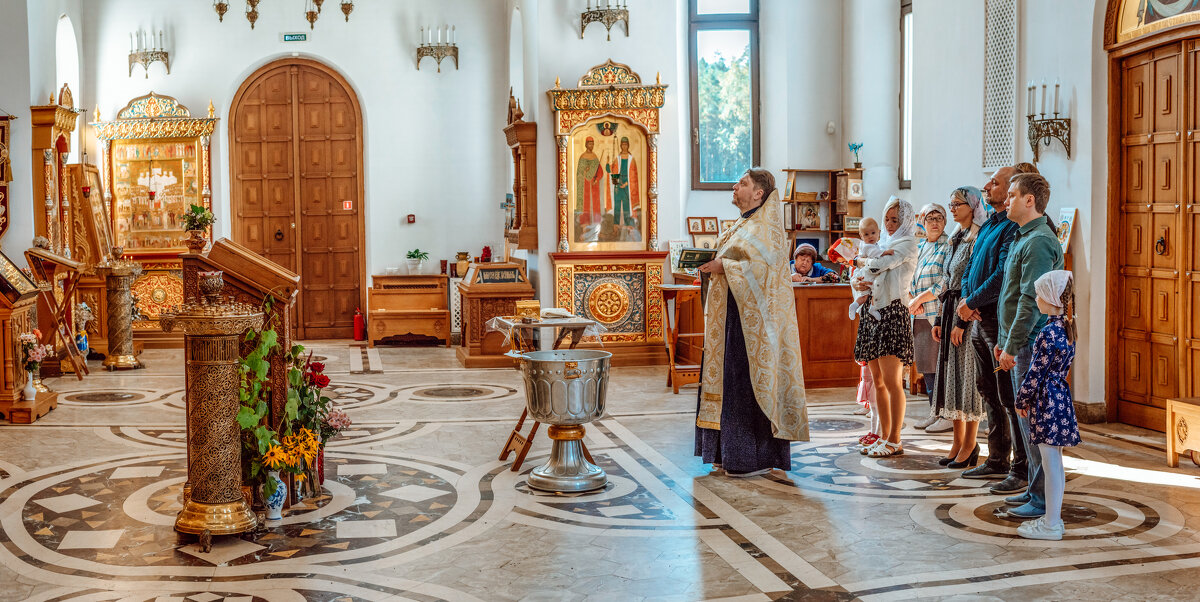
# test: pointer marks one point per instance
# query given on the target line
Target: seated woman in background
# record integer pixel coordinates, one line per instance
(806, 269)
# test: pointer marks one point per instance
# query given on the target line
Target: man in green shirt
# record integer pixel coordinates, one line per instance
(1034, 251)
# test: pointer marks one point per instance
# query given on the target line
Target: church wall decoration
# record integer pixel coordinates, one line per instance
(608, 193)
(1138, 18)
(5, 169)
(157, 161)
(608, 267)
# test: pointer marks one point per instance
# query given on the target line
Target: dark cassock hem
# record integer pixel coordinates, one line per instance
(744, 442)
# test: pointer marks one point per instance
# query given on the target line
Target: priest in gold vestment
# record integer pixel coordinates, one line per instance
(752, 401)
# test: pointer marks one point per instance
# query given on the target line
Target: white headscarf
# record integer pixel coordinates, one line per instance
(908, 220)
(973, 197)
(1051, 285)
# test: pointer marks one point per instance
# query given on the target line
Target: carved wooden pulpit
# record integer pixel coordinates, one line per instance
(249, 278)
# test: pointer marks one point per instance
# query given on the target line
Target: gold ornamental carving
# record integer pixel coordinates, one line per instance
(118, 279)
(213, 329)
(608, 302)
(1181, 430)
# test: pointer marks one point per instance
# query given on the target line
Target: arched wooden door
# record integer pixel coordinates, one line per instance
(296, 134)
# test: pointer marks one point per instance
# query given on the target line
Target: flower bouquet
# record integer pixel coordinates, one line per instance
(33, 353)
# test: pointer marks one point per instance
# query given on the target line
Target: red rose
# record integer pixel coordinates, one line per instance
(321, 381)
(316, 367)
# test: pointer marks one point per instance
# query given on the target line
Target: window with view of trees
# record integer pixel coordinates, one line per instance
(723, 47)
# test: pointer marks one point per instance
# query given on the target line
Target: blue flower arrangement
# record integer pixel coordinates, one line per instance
(854, 147)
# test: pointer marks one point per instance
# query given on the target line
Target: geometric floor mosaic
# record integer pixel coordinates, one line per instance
(416, 506)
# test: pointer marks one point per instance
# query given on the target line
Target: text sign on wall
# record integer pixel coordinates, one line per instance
(295, 37)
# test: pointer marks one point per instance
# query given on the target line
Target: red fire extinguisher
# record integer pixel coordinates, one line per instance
(360, 325)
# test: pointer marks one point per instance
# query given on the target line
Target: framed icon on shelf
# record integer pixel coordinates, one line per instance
(808, 216)
(854, 190)
(704, 241)
(710, 225)
(851, 224)
(698, 225)
(727, 224)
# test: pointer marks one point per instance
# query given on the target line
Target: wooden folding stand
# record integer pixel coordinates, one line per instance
(46, 268)
(679, 374)
(575, 328)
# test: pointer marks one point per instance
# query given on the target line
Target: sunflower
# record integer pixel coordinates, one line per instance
(276, 458)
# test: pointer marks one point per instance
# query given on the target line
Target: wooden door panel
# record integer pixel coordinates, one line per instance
(342, 158)
(345, 232)
(1136, 304)
(1162, 306)
(1137, 174)
(1192, 371)
(1136, 95)
(1167, 81)
(1164, 373)
(1137, 235)
(1134, 370)
(1192, 240)
(341, 119)
(1163, 243)
(1166, 174)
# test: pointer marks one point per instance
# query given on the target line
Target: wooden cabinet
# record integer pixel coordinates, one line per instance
(489, 290)
(18, 315)
(520, 228)
(408, 307)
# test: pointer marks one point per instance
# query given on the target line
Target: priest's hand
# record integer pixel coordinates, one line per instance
(713, 267)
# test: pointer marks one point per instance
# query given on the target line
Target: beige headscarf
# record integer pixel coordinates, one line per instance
(754, 254)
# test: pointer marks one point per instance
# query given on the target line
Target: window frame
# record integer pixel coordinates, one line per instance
(905, 10)
(737, 21)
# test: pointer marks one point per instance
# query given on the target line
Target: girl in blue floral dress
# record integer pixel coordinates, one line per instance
(1045, 397)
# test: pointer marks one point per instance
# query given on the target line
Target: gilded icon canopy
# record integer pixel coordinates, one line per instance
(607, 136)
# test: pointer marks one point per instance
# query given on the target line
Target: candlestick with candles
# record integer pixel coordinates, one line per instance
(147, 50)
(445, 46)
(1043, 129)
(611, 14)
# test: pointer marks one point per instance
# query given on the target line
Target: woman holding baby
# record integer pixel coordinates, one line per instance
(885, 335)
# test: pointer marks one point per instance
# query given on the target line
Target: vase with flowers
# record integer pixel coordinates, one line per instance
(33, 353)
(196, 220)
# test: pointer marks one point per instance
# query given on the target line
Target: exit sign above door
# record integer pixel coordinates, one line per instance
(295, 37)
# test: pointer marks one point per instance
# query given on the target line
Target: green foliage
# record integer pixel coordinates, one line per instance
(726, 118)
(197, 218)
(418, 254)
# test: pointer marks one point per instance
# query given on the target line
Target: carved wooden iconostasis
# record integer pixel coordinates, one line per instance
(156, 160)
(607, 266)
(5, 169)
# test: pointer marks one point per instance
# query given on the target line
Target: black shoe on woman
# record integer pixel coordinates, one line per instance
(972, 460)
(945, 461)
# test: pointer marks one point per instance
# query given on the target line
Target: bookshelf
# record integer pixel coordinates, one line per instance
(817, 203)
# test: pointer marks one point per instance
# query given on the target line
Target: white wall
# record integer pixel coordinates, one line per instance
(432, 141)
(871, 102)
(1055, 39)
(14, 99)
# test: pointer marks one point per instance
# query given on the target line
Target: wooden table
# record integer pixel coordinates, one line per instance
(575, 327)
(680, 370)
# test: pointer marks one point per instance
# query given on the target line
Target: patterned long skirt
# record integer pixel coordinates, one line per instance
(956, 396)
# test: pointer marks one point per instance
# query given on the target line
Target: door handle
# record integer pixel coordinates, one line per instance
(1160, 246)
(278, 234)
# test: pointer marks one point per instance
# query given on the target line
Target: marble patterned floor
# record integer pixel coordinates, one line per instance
(416, 506)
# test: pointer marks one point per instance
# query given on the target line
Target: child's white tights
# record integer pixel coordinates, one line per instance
(1056, 481)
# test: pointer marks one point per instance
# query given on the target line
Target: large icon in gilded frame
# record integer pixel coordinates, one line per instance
(157, 163)
(607, 203)
(607, 136)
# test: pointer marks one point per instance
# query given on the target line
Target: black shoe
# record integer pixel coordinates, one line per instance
(971, 460)
(944, 461)
(985, 471)
(1012, 484)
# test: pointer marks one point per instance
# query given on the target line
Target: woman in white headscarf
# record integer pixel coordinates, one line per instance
(886, 343)
(956, 398)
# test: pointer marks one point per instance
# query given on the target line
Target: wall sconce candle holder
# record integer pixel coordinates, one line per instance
(1044, 129)
(609, 15)
(439, 49)
(146, 53)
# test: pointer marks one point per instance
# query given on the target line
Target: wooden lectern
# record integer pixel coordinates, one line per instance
(249, 278)
(52, 271)
(489, 290)
(18, 315)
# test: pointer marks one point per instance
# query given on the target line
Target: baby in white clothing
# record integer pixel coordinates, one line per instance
(868, 230)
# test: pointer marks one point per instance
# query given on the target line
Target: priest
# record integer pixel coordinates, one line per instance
(752, 400)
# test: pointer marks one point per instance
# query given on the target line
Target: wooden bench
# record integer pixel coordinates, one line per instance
(1183, 429)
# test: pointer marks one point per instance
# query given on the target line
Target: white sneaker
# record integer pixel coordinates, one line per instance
(743, 475)
(1038, 528)
(862, 411)
(941, 426)
(928, 420)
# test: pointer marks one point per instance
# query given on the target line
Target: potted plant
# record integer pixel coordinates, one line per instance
(415, 259)
(854, 148)
(196, 220)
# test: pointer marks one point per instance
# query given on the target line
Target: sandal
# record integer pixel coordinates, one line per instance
(886, 450)
(868, 439)
(867, 449)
